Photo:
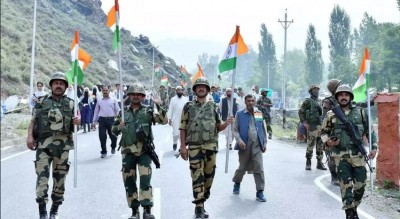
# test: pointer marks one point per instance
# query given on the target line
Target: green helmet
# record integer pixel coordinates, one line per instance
(202, 81)
(332, 85)
(59, 76)
(312, 87)
(136, 88)
(264, 90)
(344, 88)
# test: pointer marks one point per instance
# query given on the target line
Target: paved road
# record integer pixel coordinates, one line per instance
(291, 191)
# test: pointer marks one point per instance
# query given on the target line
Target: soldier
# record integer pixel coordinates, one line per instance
(264, 104)
(349, 162)
(52, 123)
(327, 104)
(310, 115)
(200, 125)
(134, 157)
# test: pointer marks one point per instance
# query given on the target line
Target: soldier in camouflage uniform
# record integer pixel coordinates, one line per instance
(264, 104)
(163, 94)
(133, 154)
(50, 134)
(310, 115)
(327, 104)
(349, 162)
(200, 124)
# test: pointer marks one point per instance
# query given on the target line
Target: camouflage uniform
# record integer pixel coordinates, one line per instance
(163, 94)
(133, 156)
(349, 162)
(54, 124)
(310, 112)
(263, 105)
(202, 140)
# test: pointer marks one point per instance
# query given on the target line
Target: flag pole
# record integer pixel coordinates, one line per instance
(230, 113)
(76, 110)
(33, 54)
(119, 58)
(370, 137)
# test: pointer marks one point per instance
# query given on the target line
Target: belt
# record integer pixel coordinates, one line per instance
(107, 117)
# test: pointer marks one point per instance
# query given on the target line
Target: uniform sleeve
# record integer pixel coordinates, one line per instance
(302, 111)
(160, 117)
(366, 132)
(115, 129)
(327, 126)
(184, 117)
(218, 119)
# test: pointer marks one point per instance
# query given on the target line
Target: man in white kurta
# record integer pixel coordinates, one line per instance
(174, 114)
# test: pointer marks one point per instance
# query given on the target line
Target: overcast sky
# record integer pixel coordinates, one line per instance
(184, 29)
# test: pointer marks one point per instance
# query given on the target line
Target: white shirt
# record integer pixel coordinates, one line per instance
(175, 112)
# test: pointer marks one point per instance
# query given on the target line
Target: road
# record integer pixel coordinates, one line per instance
(291, 191)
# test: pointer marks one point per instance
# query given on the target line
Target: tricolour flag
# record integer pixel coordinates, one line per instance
(80, 60)
(183, 73)
(199, 74)
(235, 48)
(361, 86)
(113, 23)
(164, 80)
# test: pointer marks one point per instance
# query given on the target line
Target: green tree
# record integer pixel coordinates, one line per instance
(341, 66)
(314, 64)
(209, 65)
(267, 55)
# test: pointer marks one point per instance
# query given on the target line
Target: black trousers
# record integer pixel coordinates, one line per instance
(105, 124)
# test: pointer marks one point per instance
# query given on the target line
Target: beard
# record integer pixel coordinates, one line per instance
(179, 95)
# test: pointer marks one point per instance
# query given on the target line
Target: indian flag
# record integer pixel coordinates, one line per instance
(80, 60)
(183, 73)
(199, 74)
(113, 23)
(164, 80)
(361, 86)
(235, 48)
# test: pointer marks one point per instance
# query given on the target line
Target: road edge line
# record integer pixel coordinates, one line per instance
(14, 155)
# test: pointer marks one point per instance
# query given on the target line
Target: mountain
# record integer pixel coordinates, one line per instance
(57, 20)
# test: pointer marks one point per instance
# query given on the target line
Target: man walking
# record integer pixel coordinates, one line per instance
(135, 129)
(264, 104)
(310, 115)
(200, 125)
(251, 141)
(105, 112)
(52, 139)
(225, 106)
(175, 113)
(349, 161)
(327, 104)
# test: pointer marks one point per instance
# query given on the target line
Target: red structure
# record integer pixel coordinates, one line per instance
(388, 161)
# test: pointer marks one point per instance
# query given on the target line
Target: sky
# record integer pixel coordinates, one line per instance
(184, 29)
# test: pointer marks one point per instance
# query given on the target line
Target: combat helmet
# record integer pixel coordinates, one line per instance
(202, 81)
(59, 76)
(332, 85)
(344, 88)
(136, 88)
(312, 87)
(264, 90)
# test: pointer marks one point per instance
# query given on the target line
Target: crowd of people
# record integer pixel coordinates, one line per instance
(196, 115)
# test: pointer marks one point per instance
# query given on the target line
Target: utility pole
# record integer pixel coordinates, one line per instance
(285, 24)
(268, 74)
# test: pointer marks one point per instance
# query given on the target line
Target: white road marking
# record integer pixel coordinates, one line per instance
(318, 182)
(14, 155)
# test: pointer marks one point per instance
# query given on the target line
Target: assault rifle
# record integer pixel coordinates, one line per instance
(353, 131)
(148, 145)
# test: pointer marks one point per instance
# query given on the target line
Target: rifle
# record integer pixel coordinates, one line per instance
(354, 133)
(148, 145)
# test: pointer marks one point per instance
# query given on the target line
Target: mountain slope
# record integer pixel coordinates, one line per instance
(57, 21)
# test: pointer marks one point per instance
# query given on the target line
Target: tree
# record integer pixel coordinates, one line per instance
(267, 55)
(314, 65)
(341, 66)
(209, 65)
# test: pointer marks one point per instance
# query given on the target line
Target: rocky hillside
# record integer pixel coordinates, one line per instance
(57, 21)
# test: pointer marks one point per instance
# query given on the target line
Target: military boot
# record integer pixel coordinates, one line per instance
(147, 213)
(320, 165)
(135, 214)
(199, 213)
(53, 212)
(350, 213)
(355, 215)
(42, 211)
(205, 213)
(308, 164)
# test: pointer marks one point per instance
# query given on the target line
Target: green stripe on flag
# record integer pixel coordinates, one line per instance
(116, 38)
(70, 73)
(227, 64)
